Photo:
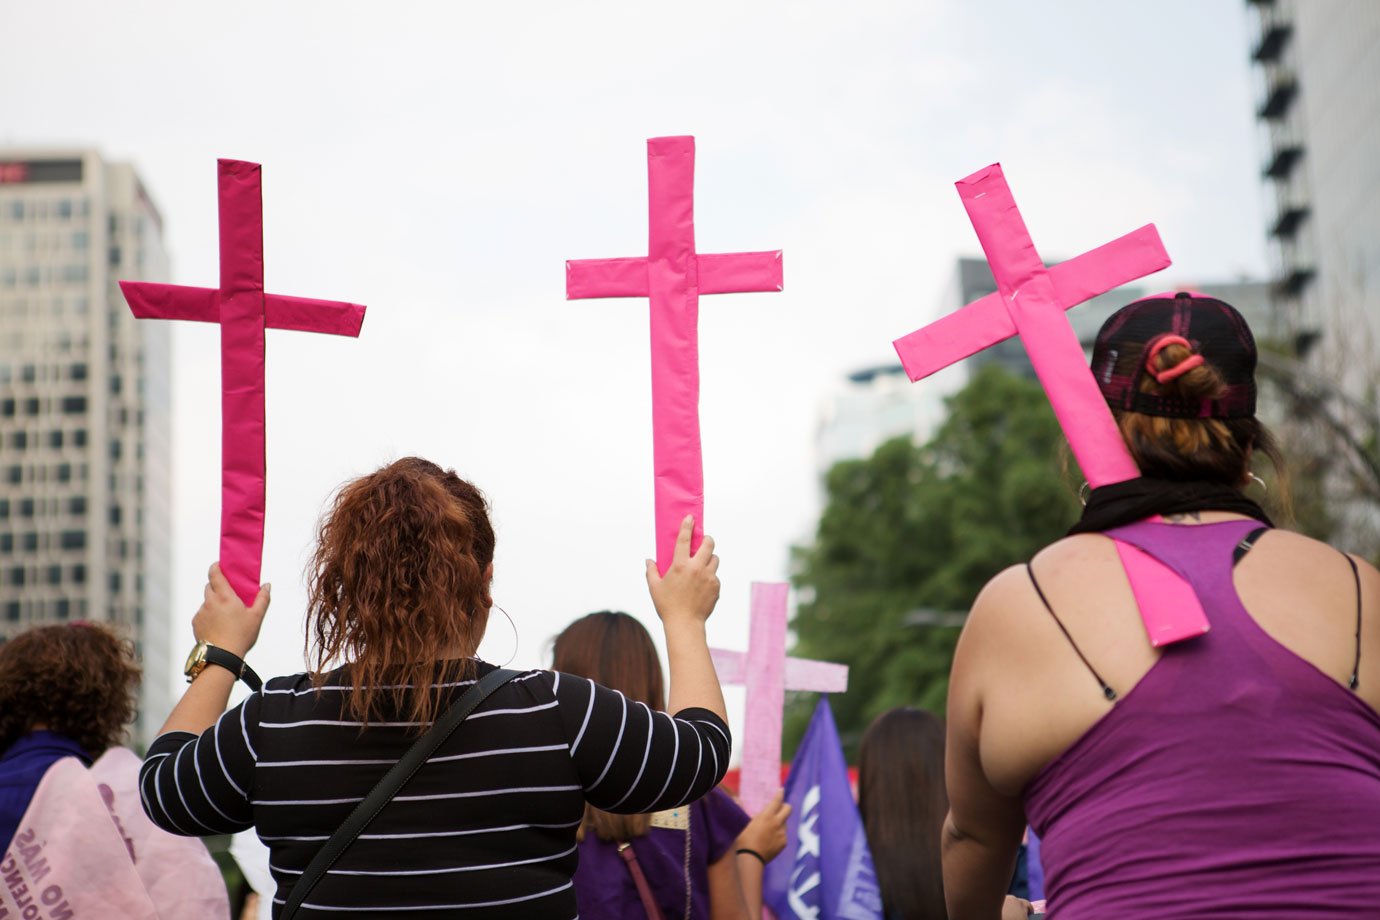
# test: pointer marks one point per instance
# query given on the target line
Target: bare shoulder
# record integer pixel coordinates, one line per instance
(1290, 555)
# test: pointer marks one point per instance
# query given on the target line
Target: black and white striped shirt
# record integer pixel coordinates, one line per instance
(485, 830)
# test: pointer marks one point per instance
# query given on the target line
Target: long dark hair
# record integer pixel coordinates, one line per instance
(400, 578)
(613, 649)
(903, 802)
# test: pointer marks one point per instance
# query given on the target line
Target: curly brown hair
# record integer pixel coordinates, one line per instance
(398, 588)
(80, 680)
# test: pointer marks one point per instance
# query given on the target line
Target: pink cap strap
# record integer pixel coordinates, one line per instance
(1178, 370)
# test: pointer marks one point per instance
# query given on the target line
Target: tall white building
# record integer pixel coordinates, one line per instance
(1318, 63)
(85, 485)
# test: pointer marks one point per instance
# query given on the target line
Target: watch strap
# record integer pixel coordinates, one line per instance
(235, 665)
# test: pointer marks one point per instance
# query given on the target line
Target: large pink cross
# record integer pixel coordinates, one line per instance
(1031, 301)
(673, 276)
(243, 311)
(768, 674)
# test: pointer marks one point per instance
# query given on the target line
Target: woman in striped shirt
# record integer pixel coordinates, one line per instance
(399, 591)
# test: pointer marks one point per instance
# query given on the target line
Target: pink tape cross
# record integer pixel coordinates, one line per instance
(673, 276)
(768, 674)
(1031, 301)
(243, 311)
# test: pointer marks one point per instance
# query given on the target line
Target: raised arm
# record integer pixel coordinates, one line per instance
(630, 759)
(684, 599)
(196, 775)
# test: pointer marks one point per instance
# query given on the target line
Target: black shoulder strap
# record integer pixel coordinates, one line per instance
(1355, 680)
(1107, 692)
(397, 777)
(1241, 549)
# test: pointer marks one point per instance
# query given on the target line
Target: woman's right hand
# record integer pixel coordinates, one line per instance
(690, 588)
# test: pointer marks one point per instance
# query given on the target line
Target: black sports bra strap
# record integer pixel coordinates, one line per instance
(1107, 691)
(1356, 664)
(1244, 547)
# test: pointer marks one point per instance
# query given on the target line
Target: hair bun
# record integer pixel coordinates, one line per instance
(1174, 369)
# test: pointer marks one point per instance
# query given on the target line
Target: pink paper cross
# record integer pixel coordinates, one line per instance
(673, 276)
(243, 311)
(1031, 300)
(768, 674)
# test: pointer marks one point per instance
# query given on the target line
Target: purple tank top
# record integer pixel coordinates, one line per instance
(1235, 780)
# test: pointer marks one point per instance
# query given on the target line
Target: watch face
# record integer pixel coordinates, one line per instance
(196, 660)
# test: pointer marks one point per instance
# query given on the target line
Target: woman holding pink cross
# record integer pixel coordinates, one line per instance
(1233, 774)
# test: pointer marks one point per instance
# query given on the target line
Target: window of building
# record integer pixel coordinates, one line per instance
(76, 505)
(4, 509)
(7, 407)
(12, 611)
(16, 575)
(54, 574)
(73, 405)
(77, 371)
(55, 438)
(19, 440)
(115, 515)
(80, 239)
(79, 438)
(27, 373)
(31, 406)
(78, 574)
(6, 543)
(64, 208)
(116, 583)
(116, 384)
(14, 475)
(72, 539)
(62, 608)
(26, 507)
(116, 449)
(29, 542)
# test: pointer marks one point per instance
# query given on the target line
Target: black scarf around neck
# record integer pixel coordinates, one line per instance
(1134, 500)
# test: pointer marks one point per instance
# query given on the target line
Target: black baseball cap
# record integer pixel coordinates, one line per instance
(1212, 328)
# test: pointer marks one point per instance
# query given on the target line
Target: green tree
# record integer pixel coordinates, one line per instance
(924, 527)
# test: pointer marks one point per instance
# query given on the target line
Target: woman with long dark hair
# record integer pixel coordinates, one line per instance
(398, 602)
(702, 861)
(902, 800)
(1233, 774)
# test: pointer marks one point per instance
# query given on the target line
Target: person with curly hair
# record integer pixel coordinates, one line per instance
(65, 691)
(399, 597)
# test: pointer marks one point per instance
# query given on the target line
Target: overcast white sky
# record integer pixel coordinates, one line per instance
(440, 161)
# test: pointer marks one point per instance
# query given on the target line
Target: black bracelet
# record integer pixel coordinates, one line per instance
(754, 854)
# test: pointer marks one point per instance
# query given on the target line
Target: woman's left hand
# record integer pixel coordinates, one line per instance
(224, 621)
(765, 834)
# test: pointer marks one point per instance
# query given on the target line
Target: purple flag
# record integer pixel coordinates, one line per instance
(825, 872)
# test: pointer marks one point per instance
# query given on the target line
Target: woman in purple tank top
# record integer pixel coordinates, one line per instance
(1232, 775)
